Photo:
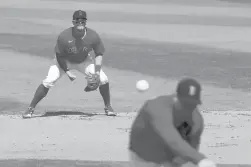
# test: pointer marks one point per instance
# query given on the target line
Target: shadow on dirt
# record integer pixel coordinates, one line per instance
(11, 106)
(64, 163)
(67, 113)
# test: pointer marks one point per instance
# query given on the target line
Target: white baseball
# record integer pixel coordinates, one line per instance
(142, 85)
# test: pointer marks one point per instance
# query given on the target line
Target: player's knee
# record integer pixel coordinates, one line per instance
(103, 79)
(90, 70)
(48, 83)
(52, 77)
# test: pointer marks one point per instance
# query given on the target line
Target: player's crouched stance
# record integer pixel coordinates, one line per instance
(167, 130)
(73, 52)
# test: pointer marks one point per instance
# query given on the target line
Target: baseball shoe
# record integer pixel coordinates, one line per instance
(109, 111)
(28, 113)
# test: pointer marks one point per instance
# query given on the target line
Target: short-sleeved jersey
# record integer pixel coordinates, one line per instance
(147, 143)
(76, 51)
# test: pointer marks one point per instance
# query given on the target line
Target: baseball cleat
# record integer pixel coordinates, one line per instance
(109, 111)
(28, 113)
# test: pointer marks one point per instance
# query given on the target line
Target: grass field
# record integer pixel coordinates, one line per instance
(160, 41)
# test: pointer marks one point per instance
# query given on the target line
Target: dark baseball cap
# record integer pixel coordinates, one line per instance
(79, 14)
(189, 91)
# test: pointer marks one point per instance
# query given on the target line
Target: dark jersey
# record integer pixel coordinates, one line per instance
(76, 51)
(147, 143)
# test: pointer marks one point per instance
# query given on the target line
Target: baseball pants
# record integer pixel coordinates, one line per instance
(87, 68)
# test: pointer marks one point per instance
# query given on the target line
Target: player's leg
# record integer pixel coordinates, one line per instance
(53, 75)
(104, 87)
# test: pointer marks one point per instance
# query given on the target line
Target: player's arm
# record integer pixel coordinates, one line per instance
(99, 49)
(162, 120)
(59, 51)
(197, 130)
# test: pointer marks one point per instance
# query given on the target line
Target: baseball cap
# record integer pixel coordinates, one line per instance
(189, 91)
(79, 14)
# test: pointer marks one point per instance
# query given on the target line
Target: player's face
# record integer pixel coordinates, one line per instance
(79, 26)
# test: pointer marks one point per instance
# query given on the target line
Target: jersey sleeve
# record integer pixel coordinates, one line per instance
(98, 46)
(59, 48)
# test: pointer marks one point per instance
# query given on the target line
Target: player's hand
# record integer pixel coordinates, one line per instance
(71, 76)
(206, 163)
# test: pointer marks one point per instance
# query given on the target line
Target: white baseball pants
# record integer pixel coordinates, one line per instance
(87, 68)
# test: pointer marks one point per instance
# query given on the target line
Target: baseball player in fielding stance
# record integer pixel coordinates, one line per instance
(167, 130)
(72, 52)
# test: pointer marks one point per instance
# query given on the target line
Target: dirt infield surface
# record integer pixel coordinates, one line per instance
(65, 163)
(160, 41)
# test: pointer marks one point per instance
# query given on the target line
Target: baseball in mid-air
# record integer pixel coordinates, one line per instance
(142, 85)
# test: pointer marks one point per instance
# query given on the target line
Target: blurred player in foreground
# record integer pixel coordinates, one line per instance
(72, 52)
(167, 130)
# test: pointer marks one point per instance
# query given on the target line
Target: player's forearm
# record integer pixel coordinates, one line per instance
(62, 62)
(98, 63)
(175, 142)
(195, 143)
(195, 137)
(184, 150)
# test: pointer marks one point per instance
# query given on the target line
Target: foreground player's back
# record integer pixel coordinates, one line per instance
(144, 140)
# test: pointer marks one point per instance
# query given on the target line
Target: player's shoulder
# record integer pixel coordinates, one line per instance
(160, 104)
(164, 99)
(92, 33)
(66, 33)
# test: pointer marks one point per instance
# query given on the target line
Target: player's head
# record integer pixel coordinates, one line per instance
(189, 93)
(79, 19)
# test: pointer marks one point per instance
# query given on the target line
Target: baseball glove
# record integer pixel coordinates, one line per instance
(92, 83)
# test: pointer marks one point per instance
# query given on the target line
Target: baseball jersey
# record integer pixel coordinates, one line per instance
(76, 51)
(144, 139)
